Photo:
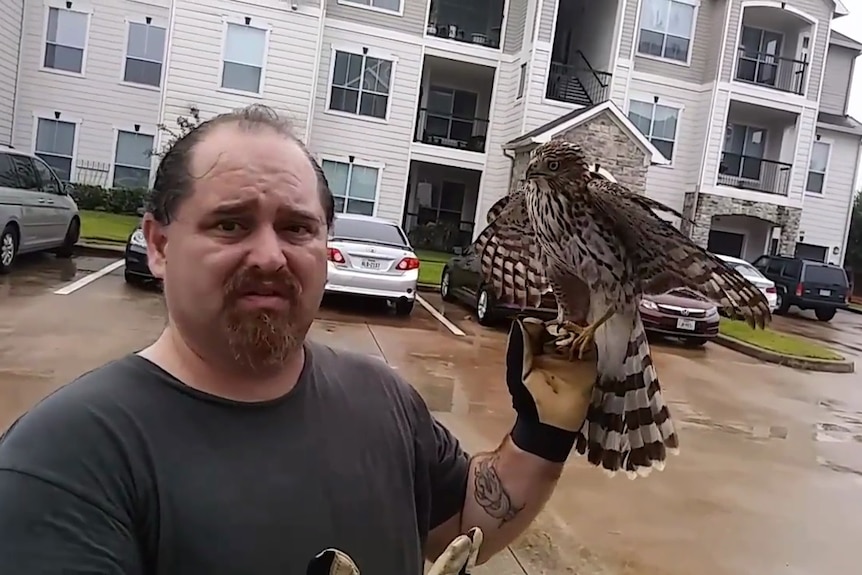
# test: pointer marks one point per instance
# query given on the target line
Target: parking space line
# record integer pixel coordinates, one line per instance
(90, 278)
(439, 316)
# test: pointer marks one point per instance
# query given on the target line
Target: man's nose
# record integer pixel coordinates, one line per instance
(266, 251)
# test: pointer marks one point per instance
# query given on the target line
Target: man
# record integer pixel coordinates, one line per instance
(233, 445)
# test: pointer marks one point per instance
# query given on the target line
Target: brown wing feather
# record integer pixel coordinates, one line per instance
(665, 259)
(644, 201)
(510, 259)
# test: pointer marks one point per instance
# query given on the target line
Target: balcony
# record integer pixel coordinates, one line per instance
(454, 104)
(577, 84)
(479, 23)
(774, 50)
(759, 147)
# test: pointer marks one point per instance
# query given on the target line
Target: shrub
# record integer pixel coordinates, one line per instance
(112, 200)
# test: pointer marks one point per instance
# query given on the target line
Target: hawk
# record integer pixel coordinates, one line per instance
(600, 247)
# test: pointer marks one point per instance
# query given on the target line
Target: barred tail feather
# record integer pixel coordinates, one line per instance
(628, 425)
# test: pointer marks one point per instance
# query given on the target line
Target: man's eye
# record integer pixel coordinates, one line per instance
(228, 226)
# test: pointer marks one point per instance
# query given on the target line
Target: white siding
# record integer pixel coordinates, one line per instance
(98, 101)
(836, 80)
(824, 216)
(506, 120)
(670, 184)
(342, 135)
(195, 60)
(540, 110)
(10, 36)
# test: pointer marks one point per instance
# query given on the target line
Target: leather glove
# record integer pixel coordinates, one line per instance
(460, 556)
(550, 394)
(332, 562)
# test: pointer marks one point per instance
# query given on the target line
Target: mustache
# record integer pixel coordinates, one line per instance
(255, 281)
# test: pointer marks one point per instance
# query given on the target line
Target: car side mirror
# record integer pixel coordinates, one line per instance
(67, 189)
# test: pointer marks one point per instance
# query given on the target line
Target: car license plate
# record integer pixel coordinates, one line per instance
(371, 264)
(825, 292)
(687, 324)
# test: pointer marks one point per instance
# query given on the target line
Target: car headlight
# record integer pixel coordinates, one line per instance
(713, 311)
(138, 239)
(647, 304)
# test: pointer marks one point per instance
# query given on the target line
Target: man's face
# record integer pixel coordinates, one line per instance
(244, 258)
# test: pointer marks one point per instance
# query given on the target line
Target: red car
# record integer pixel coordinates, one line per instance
(680, 313)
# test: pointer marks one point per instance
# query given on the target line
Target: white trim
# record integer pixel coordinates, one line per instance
(614, 110)
(504, 22)
(751, 196)
(618, 35)
(88, 12)
(850, 201)
(814, 141)
(521, 88)
(163, 95)
(691, 41)
(662, 101)
(553, 25)
(443, 156)
(334, 48)
(371, 8)
(315, 75)
(603, 172)
(669, 82)
(768, 97)
(471, 55)
(156, 23)
(266, 28)
(844, 130)
(419, 80)
(130, 129)
(379, 166)
(46, 115)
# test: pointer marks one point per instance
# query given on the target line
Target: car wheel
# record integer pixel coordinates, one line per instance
(72, 236)
(445, 286)
(131, 278)
(404, 306)
(485, 307)
(824, 313)
(781, 305)
(8, 248)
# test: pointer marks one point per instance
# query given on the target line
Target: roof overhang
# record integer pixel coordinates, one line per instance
(656, 157)
(841, 9)
(838, 39)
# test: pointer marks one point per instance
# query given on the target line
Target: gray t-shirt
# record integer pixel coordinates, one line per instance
(128, 471)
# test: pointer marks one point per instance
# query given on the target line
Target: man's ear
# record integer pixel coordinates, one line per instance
(156, 236)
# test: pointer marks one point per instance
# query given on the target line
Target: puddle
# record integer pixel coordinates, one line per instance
(837, 467)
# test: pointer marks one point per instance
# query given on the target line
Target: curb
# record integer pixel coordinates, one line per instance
(94, 249)
(853, 310)
(427, 287)
(805, 363)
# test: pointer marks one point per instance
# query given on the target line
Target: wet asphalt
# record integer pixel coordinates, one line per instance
(769, 479)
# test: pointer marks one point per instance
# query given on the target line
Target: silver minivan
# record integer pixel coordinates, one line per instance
(36, 211)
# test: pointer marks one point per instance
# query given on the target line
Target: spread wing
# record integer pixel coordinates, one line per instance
(664, 258)
(510, 257)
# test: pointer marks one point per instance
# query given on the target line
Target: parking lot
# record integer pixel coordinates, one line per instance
(768, 482)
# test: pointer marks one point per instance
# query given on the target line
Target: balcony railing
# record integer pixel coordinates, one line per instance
(752, 173)
(476, 22)
(451, 131)
(763, 69)
(578, 83)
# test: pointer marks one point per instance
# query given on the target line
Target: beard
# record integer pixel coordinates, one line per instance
(263, 339)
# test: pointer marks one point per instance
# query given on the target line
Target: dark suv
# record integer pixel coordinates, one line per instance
(806, 285)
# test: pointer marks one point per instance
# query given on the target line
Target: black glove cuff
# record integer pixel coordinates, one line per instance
(542, 440)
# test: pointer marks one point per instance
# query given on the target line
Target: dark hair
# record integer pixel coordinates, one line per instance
(174, 182)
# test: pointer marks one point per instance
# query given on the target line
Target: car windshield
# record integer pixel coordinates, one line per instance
(824, 274)
(368, 231)
(747, 270)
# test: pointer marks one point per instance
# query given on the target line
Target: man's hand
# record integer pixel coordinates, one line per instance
(460, 556)
(550, 394)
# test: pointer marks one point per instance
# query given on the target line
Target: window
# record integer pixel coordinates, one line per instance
(522, 80)
(387, 5)
(46, 177)
(55, 143)
(353, 186)
(360, 85)
(657, 122)
(65, 40)
(817, 168)
(132, 160)
(145, 50)
(666, 28)
(8, 177)
(244, 57)
(27, 178)
(379, 232)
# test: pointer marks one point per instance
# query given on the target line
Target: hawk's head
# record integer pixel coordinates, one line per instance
(558, 159)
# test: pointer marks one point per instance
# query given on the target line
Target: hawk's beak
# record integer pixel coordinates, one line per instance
(531, 171)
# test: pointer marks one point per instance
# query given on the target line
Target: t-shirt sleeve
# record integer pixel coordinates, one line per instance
(64, 496)
(449, 468)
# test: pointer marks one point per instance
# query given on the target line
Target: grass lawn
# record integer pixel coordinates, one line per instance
(105, 227)
(772, 340)
(432, 266)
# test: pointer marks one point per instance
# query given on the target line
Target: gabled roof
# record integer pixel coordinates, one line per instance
(846, 124)
(841, 9)
(568, 121)
(840, 39)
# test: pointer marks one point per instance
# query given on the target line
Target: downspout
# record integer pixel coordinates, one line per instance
(17, 76)
(169, 50)
(316, 75)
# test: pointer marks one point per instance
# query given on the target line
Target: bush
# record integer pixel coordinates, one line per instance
(112, 200)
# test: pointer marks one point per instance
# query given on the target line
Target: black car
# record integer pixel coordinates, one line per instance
(137, 270)
(806, 284)
(461, 280)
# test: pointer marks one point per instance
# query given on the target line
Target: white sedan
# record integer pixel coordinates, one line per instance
(752, 274)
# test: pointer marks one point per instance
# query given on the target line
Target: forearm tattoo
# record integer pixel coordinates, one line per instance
(489, 491)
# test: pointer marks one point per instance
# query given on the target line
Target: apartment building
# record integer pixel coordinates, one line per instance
(423, 111)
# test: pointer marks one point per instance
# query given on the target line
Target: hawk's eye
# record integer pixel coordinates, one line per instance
(553, 165)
